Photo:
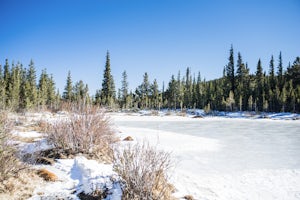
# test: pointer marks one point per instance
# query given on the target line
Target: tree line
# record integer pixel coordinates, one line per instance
(276, 90)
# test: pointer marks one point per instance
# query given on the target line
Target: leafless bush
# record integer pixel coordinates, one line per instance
(144, 169)
(88, 132)
(9, 163)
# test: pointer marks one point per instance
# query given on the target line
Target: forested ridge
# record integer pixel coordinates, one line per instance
(275, 90)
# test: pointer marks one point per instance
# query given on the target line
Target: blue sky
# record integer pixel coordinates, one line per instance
(160, 37)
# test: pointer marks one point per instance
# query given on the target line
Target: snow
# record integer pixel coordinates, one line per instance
(225, 157)
(94, 176)
(79, 175)
(238, 155)
(38, 145)
(27, 134)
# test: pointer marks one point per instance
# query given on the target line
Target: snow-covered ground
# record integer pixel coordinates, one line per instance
(232, 156)
(221, 158)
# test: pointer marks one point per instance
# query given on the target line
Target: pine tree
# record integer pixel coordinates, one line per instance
(272, 74)
(30, 87)
(155, 95)
(171, 93)
(230, 71)
(280, 72)
(259, 79)
(124, 91)
(14, 87)
(6, 79)
(80, 92)
(199, 92)
(2, 90)
(43, 88)
(293, 73)
(143, 91)
(188, 89)
(68, 93)
(108, 93)
(180, 91)
(242, 76)
(51, 94)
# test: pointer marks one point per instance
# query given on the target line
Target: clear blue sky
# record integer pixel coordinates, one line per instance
(160, 37)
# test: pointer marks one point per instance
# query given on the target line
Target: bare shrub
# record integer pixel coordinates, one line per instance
(143, 170)
(88, 132)
(9, 163)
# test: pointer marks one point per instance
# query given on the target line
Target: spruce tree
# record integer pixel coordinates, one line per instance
(43, 88)
(180, 90)
(188, 89)
(108, 93)
(293, 73)
(124, 91)
(14, 87)
(30, 87)
(230, 71)
(143, 91)
(6, 79)
(155, 95)
(241, 84)
(2, 90)
(272, 74)
(51, 94)
(80, 93)
(280, 72)
(171, 93)
(68, 93)
(259, 79)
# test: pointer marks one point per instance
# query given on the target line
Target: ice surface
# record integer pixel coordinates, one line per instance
(222, 158)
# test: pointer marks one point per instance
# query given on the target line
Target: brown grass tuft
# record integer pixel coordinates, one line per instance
(128, 138)
(188, 197)
(47, 175)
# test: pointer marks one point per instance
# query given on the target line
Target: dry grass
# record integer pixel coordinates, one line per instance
(47, 175)
(143, 170)
(20, 187)
(188, 197)
(87, 132)
(128, 138)
(16, 180)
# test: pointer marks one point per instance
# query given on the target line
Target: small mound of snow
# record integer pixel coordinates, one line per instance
(93, 176)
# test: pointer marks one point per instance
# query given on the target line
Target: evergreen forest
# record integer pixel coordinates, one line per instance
(275, 90)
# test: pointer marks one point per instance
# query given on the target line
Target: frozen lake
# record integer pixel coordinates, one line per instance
(246, 144)
(220, 158)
